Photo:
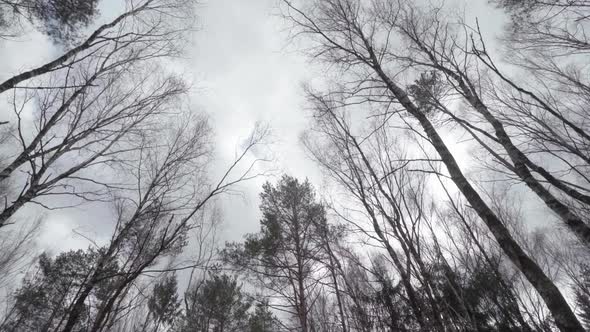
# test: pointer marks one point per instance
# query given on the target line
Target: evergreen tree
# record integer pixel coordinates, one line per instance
(283, 255)
(44, 299)
(218, 304)
(61, 20)
(164, 304)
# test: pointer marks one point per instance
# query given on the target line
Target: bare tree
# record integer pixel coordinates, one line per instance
(433, 44)
(171, 199)
(358, 38)
(350, 165)
(97, 106)
(158, 23)
(17, 245)
(97, 131)
(170, 203)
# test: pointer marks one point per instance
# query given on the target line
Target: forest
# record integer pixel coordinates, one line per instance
(454, 170)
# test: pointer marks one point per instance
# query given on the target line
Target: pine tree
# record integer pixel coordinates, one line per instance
(262, 319)
(218, 304)
(283, 255)
(164, 304)
(45, 297)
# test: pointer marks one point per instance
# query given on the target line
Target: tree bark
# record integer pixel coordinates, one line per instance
(565, 319)
(53, 65)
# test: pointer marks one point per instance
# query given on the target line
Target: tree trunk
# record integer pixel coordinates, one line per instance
(55, 64)
(565, 319)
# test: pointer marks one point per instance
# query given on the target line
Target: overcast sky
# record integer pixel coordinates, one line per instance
(243, 70)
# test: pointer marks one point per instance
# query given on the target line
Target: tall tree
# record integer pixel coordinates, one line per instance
(164, 304)
(364, 39)
(42, 303)
(92, 108)
(156, 220)
(153, 23)
(262, 319)
(218, 304)
(282, 256)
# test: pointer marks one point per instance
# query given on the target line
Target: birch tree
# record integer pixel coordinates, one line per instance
(362, 40)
